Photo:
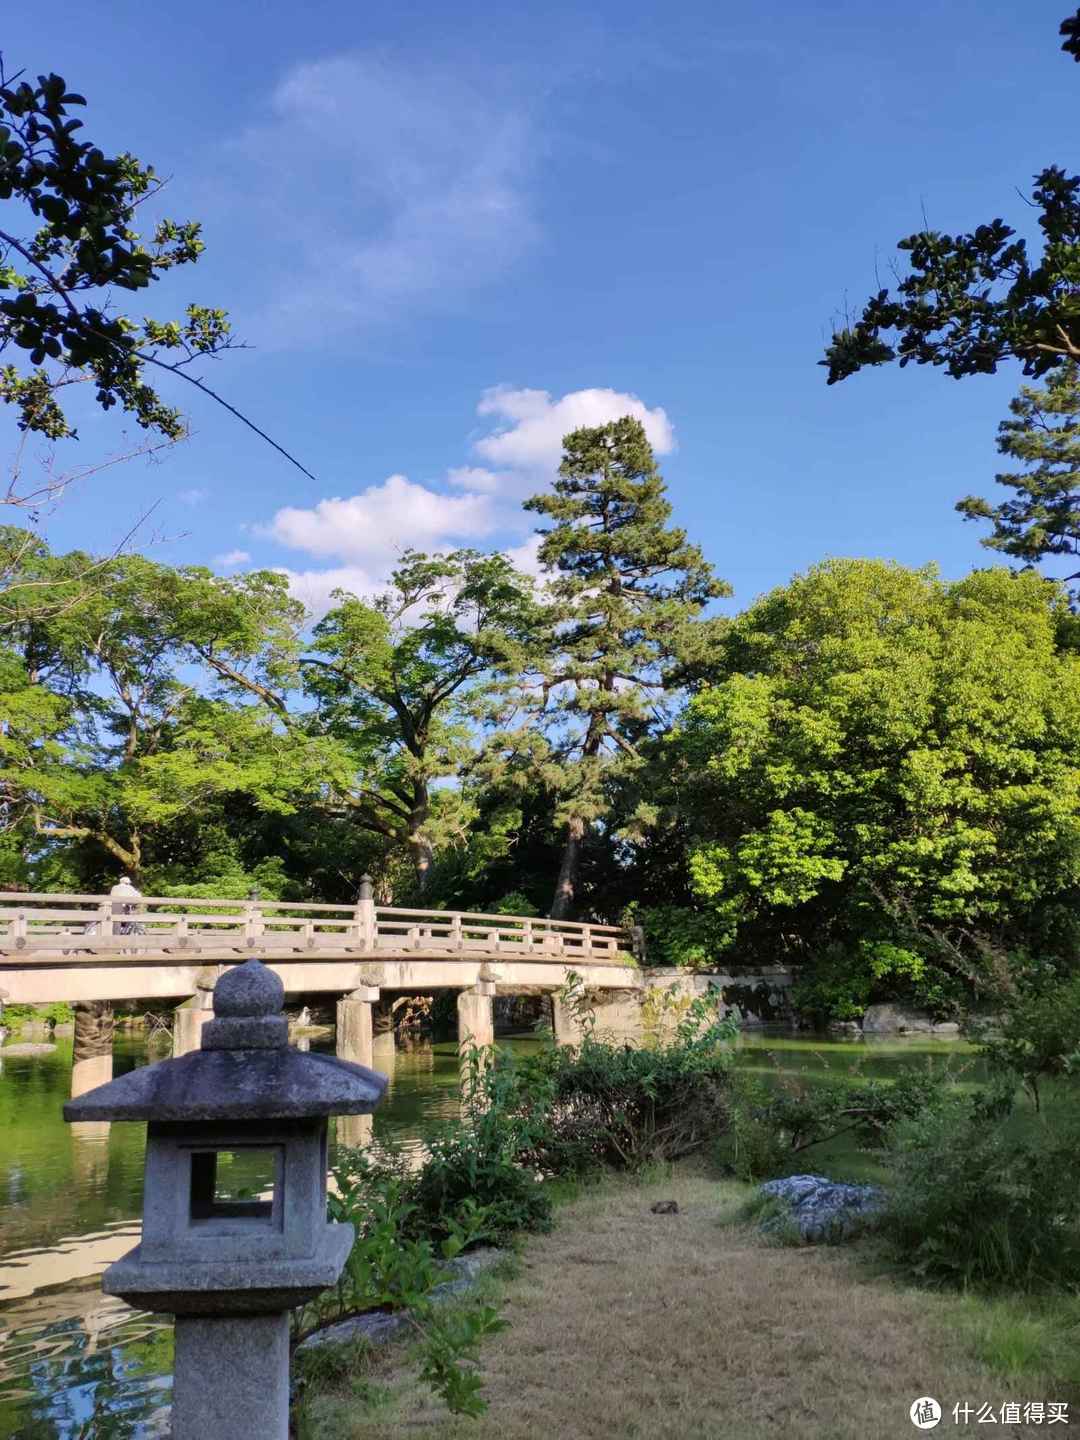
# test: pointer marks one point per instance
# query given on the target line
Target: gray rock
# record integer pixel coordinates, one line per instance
(894, 1019)
(822, 1209)
(378, 1326)
(946, 1027)
(26, 1048)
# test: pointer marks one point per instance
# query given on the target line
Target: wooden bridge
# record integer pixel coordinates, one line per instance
(83, 948)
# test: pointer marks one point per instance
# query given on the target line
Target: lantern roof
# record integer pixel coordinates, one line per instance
(246, 1069)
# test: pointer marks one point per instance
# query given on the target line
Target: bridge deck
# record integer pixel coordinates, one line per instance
(83, 947)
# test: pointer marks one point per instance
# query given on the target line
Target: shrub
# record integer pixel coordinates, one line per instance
(845, 979)
(392, 1266)
(612, 1104)
(1037, 1038)
(772, 1122)
(465, 1168)
(975, 1203)
(58, 1012)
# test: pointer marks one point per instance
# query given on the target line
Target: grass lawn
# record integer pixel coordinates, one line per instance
(632, 1326)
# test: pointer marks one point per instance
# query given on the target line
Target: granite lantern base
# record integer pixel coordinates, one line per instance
(230, 1267)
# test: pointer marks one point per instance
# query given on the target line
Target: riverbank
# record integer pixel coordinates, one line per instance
(700, 1329)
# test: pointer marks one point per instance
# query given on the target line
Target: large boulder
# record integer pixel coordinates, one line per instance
(895, 1020)
(821, 1209)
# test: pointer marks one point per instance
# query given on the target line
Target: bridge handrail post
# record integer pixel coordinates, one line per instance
(105, 919)
(254, 924)
(364, 914)
(527, 936)
(456, 938)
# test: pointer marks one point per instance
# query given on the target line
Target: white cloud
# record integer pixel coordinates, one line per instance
(474, 477)
(315, 588)
(194, 496)
(232, 557)
(531, 425)
(367, 532)
(388, 186)
(371, 529)
(525, 557)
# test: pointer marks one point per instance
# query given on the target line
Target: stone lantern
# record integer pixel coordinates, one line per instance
(231, 1267)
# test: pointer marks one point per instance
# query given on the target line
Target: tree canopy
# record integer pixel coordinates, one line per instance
(972, 300)
(1043, 516)
(886, 769)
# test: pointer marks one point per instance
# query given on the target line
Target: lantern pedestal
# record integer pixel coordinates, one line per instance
(231, 1377)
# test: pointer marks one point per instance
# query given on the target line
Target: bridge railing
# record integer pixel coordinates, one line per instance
(82, 926)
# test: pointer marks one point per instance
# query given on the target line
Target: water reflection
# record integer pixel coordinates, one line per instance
(73, 1362)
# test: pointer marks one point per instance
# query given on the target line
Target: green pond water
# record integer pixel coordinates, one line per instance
(75, 1364)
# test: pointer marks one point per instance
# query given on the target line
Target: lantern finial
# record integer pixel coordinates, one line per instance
(248, 1002)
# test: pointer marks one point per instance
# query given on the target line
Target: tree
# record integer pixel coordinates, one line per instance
(106, 740)
(393, 685)
(970, 301)
(883, 782)
(624, 588)
(57, 281)
(1044, 434)
(402, 680)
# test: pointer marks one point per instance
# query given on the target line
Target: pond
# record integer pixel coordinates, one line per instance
(75, 1363)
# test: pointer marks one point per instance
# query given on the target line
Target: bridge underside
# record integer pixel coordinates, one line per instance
(117, 978)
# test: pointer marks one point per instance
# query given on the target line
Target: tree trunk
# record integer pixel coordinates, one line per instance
(422, 853)
(571, 858)
(94, 1026)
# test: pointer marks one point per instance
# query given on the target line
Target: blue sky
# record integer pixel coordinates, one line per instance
(451, 231)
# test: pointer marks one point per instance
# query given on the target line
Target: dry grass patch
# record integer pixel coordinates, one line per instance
(626, 1325)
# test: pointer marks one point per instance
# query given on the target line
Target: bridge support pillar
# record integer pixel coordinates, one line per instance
(476, 1022)
(565, 1024)
(188, 1021)
(355, 1042)
(355, 1028)
(93, 1045)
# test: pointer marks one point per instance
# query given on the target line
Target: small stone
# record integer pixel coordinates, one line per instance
(666, 1207)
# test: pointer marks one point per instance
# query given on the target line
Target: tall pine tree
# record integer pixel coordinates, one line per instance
(1043, 517)
(624, 587)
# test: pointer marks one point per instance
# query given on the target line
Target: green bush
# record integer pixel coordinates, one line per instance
(977, 1203)
(1037, 1037)
(57, 1013)
(605, 1104)
(395, 1265)
(773, 1122)
(466, 1167)
(845, 979)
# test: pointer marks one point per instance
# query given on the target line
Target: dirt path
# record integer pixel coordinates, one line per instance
(631, 1326)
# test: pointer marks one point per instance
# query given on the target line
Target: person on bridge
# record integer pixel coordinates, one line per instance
(124, 896)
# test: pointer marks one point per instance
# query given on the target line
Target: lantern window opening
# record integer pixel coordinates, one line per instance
(230, 1184)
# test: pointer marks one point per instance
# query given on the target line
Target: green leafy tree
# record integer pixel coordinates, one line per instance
(109, 738)
(883, 781)
(391, 686)
(624, 588)
(402, 680)
(970, 301)
(1043, 517)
